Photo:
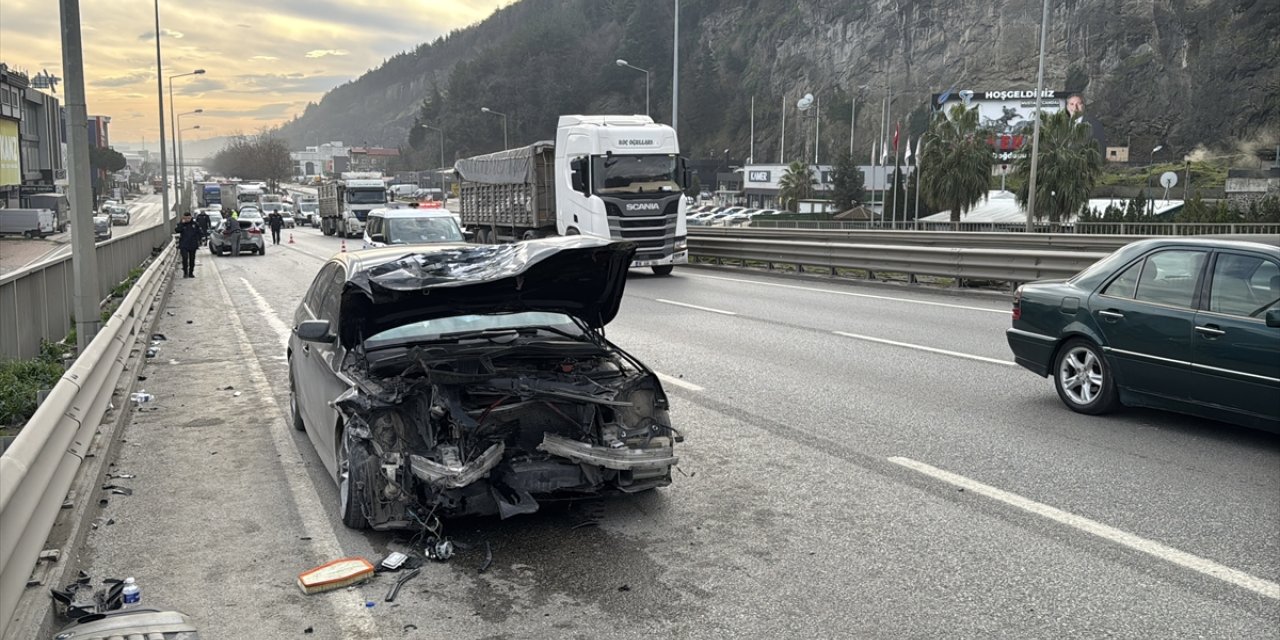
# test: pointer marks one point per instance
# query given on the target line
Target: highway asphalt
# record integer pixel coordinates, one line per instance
(860, 461)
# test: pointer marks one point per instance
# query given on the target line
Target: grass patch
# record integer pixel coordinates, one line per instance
(20, 380)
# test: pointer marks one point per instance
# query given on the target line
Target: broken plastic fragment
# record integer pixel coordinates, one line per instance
(454, 477)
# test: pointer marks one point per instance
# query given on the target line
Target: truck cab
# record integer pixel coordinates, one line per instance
(622, 177)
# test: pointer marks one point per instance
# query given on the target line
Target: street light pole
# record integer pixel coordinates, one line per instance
(164, 161)
(177, 156)
(504, 123)
(1035, 132)
(441, 132)
(675, 70)
(84, 256)
(173, 125)
(623, 63)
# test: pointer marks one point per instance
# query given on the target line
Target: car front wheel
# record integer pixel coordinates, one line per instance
(355, 478)
(1083, 378)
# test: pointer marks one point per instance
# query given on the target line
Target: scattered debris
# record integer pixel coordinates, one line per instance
(228, 388)
(411, 627)
(118, 490)
(80, 599)
(103, 502)
(299, 537)
(158, 336)
(335, 575)
(169, 313)
(625, 587)
(395, 588)
(141, 397)
(393, 561)
(369, 604)
(153, 352)
(188, 322)
(488, 558)
(439, 549)
(142, 378)
(236, 394)
(308, 629)
(122, 476)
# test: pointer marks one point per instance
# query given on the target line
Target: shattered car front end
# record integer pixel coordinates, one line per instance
(496, 420)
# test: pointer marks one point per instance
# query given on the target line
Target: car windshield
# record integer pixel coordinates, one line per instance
(433, 329)
(634, 174)
(366, 196)
(422, 230)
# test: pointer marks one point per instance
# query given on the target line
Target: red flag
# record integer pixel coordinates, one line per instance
(896, 127)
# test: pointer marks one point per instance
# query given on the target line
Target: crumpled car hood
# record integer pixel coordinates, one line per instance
(581, 276)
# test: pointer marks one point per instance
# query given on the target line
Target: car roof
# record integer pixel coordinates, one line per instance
(411, 213)
(1269, 243)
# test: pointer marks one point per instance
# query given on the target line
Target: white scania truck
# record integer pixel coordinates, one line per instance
(345, 204)
(617, 177)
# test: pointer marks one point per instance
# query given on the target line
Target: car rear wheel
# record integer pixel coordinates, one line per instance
(294, 413)
(1083, 378)
(355, 477)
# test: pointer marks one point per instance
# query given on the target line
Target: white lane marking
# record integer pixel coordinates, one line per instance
(694, 306)
(920, 347)
(273, 320)
(849, 293)
(354, 621)
(1137, 543)
(672, 380)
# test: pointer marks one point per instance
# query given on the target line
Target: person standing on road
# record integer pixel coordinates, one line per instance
(202, 221)
(188, 242)
(276, 222)
(233, 232)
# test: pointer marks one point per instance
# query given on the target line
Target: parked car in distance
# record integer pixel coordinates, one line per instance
(410, 226)
(1180, 324)
(400, 347)
(102, 227)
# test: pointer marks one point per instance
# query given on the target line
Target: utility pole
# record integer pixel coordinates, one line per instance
(1035, 132)
(84, 255)
(751, 149)
(782, 145)
(853, 122)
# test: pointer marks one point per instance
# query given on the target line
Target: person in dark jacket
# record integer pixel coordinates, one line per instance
(276, 222)
(202, 221)
(188, 242)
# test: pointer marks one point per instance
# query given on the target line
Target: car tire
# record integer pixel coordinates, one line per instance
(294, 413)
(262, 251)
(1083, 378)
(355, 473)
(662, 269)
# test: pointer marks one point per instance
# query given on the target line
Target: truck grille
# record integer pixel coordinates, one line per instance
(654, 234)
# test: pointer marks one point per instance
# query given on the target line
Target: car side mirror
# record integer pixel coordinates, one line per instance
(314, 331)
(1273, 317)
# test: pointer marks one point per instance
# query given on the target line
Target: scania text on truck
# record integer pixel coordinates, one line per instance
(616, 177)
(345, 203)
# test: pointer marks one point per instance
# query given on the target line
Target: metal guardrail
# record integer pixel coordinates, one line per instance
(36, 302)
(1079, 228)
(952, 239)
(1007, 265)
(37, 470)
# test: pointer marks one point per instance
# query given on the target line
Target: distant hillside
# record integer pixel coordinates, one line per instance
(1182, 73)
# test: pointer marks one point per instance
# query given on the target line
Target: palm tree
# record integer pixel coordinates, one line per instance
(1069, 165)
(797, 183)
(956, 162)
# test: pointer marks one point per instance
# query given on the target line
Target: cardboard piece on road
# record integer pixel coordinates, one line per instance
(335, 575)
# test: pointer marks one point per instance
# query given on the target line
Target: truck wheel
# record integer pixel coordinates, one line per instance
(531, 234)
(482, 236)
(662, 269)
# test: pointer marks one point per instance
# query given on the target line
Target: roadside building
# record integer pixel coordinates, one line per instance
(31, 140)
(372, 158)
(1249, 185)
(12, 85)
(320, 160)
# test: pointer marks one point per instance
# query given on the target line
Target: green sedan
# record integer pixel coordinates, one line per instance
(1188, 325)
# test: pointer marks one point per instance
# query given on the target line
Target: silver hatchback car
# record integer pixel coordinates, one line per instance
(223, 240)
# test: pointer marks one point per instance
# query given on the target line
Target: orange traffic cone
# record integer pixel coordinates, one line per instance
(344, 245)
(290, 237)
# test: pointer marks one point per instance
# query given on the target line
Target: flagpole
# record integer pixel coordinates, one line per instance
(782, 146)
(919, 183)
(878, 168)
(751, 153)
(897, 171)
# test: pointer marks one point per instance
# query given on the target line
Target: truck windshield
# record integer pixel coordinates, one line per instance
(634, 174)
(366, 196)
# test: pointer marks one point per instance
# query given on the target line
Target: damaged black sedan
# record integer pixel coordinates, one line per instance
(474, 380)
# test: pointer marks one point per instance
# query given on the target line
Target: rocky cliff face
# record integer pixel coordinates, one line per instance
(1182, 73)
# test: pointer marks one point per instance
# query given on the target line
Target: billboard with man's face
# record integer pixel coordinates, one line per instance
(1007, 113)
(10, 161)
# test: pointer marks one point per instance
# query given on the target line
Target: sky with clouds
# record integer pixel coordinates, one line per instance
(264, 60)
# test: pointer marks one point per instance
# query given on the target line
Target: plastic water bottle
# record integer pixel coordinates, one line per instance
(131, 594)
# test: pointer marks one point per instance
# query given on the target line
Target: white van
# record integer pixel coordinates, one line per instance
(410, 226)
(28, 223)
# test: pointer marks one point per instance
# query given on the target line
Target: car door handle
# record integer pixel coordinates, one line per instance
(1113, 315)
(1210, 330)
